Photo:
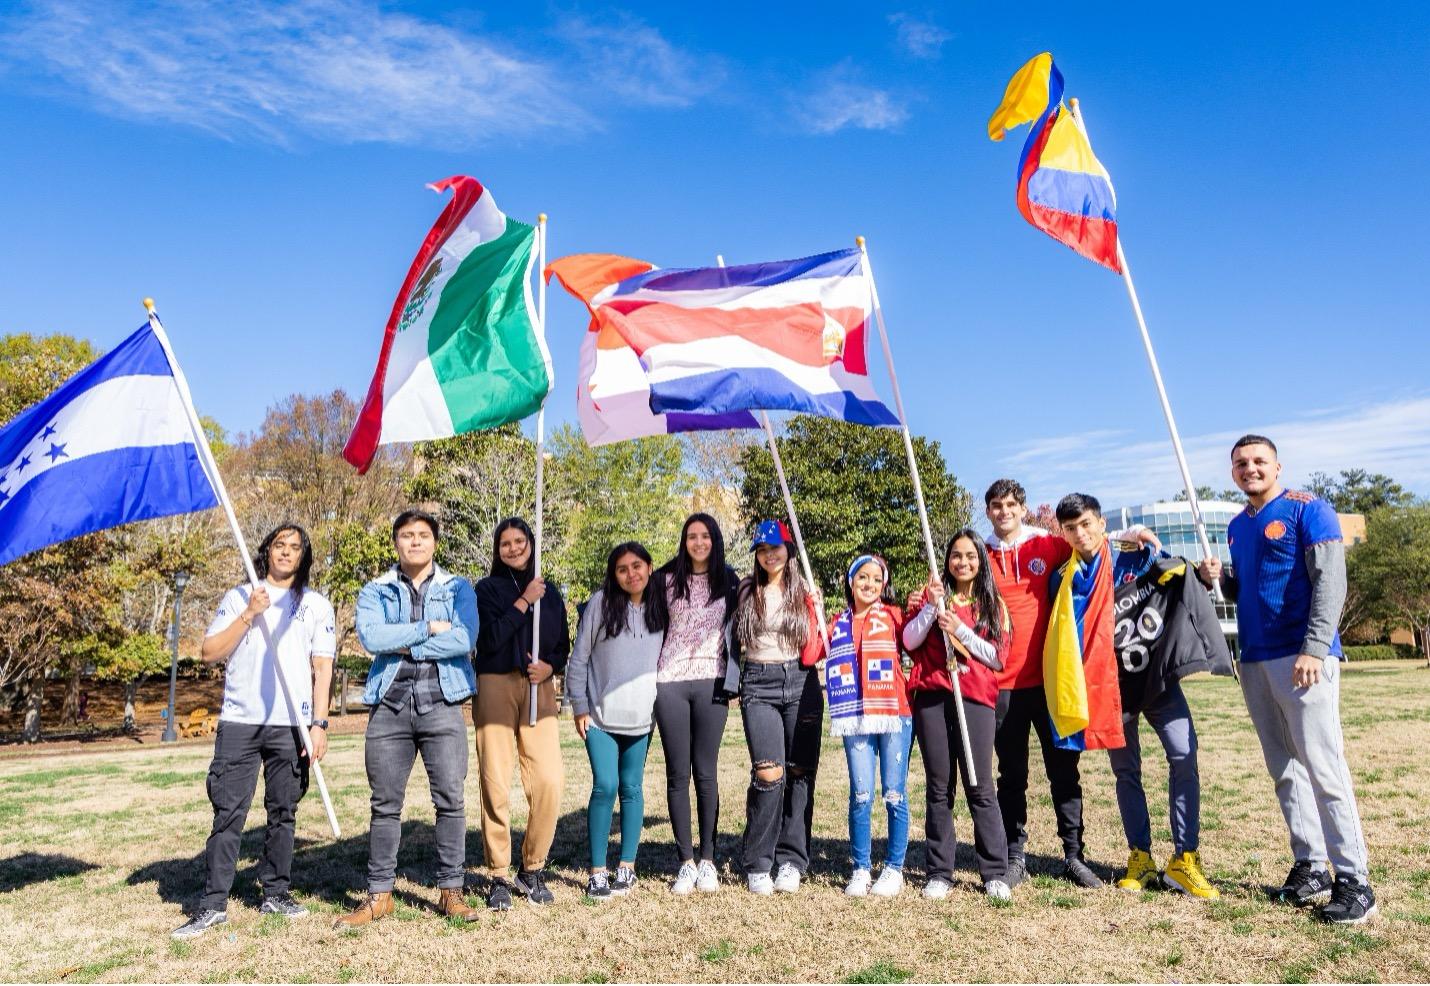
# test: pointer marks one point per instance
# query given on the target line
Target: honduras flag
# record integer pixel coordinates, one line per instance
(112, 445)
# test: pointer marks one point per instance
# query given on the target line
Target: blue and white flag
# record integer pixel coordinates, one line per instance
(112, 445)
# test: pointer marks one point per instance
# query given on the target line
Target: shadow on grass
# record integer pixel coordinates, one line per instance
(37, 867)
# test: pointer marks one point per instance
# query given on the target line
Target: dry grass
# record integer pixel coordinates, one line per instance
(103, 850)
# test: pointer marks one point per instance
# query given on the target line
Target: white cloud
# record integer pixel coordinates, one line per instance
(918, 37)
(835, 101)
(631, 60)
(1391, 436)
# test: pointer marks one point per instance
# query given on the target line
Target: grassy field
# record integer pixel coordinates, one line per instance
(102, 851)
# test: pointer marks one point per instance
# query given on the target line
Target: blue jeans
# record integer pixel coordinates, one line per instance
(617, 768)
(1171, 720)
(892, 753)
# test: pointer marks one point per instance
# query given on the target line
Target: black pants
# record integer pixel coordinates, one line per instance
(691, 724)
(239, 749)
(783, 711)
(936, 726)
(1019, 708)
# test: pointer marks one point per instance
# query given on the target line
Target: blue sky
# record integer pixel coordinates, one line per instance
(259, 170)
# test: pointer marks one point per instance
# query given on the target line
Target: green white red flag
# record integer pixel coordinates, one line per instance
(464, 348)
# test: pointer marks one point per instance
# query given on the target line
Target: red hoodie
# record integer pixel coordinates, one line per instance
(1021, 569)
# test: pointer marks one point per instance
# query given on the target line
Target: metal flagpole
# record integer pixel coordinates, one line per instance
(1157, 378)
(934, 566)
(210, 467)
(531, 693)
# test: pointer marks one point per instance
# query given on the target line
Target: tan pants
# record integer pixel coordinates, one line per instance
(500, 714)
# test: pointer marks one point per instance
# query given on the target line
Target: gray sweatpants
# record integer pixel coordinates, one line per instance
(1305, 753)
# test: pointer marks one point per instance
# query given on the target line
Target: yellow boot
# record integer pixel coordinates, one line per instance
(1184, 873)
(1141, 872)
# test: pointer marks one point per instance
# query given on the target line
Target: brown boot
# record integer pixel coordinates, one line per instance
(374, 907)
(453, 906)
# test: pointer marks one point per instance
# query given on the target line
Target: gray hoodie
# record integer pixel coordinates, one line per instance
(612, 679)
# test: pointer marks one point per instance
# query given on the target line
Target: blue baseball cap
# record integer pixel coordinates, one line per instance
(771, 532)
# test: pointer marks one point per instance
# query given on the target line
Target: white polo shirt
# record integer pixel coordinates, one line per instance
(251, 692)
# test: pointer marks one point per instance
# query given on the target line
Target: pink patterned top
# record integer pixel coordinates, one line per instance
(694, 640)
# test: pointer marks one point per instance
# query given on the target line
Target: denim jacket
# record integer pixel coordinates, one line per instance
(385, 627)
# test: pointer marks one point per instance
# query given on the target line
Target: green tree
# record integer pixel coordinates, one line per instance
(1356, 491)
(1391, 569)
(359, 552)
(1205, 493)
(852, 489)
(33, 366)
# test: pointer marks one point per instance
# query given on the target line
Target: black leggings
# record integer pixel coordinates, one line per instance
(691, 725)
(936, 726)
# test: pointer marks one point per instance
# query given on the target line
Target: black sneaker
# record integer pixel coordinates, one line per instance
(283, 904)
(532, 883)
(625, 880)
(1017, 871)
(598, 887)
(198, 924)
(1076, 871)
(499, 895)
(1352, 902)
(1305, 884)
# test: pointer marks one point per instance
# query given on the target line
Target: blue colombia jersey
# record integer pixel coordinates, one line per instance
(1268, 553)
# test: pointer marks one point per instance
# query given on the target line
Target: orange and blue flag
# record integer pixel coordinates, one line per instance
(1062, 187)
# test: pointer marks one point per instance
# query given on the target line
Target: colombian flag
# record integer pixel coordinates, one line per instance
(1062, 187)
(1079, 661)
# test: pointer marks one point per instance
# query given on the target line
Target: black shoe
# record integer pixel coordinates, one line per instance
(625, 880)
(198, 924)
(1305, 884)
(1017, 871)
(532, 883)
(598, 887)
(283, 904)
(1075, 870)
(1352, 902)
(499, 895)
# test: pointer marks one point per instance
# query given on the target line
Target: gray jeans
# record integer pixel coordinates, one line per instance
(1305, 753)
(1171, 720)
(393, 741)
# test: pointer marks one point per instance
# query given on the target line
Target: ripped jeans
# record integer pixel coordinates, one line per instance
(892, 752)
(783, 709)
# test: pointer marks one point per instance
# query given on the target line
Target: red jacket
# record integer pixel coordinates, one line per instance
(977, 682)
(1021, 570)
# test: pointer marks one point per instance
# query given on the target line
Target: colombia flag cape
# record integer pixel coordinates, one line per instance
(1079, 661)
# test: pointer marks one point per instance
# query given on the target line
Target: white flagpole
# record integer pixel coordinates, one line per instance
(934, 565)
(1157, 378)
(793, 517)
(210, 467)
(531, 693)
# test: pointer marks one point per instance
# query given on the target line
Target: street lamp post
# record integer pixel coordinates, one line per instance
(171, 734)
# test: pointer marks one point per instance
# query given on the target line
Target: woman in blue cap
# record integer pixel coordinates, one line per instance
(775, 641)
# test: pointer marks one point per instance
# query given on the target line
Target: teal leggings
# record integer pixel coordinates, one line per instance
(617, 766)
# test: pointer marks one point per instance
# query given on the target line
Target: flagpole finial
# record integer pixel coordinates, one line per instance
(149, 305)
(1072, 103)
(541, 217)
(859, 242)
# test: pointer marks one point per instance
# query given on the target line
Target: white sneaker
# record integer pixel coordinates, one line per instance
(890, 882)
(858, 885)
(707, 881)
(787, 879)
(760, 883)
(937, 888)
(684, 880)
(998, 890)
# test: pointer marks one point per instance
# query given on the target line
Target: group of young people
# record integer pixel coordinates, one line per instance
(663, 650)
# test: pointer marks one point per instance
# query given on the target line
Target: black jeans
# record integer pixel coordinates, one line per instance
(936, 726)
(691, 725)
(783, 711)
(239, 748)
(393, 741)
(1019, 708)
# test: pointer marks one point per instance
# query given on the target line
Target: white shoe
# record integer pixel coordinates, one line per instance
(787, 879)
(998, 890)
(937, 888)
(858, 885)
(890, 882)
(707, 881)
(684, 880)
(760, 883)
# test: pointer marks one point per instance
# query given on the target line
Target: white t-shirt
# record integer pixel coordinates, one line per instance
(251, 692)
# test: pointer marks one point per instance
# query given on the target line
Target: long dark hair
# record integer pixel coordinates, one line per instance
(305, 561)
(680, 568)
(793, 625)
(987, 603)
(887, 596)
(615, 603)
(522, 575)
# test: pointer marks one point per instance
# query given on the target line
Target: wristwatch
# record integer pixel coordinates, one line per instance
(320, 723)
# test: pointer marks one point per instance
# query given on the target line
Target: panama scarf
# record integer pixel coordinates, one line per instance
(862, 674)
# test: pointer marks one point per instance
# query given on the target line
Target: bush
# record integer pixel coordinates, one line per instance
(356, 665)
(1381, 652)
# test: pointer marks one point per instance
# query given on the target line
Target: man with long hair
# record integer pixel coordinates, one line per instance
(282, 620)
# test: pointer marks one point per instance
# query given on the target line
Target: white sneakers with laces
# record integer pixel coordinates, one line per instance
(937, 888)
(707, 880)
(890, 882)
(858, 885)
(787, 880)
(684, 879)
(760, 884)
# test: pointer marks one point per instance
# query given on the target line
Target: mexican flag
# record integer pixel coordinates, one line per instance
(463, 349)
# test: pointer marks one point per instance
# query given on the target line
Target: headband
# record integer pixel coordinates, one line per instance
(863, 560)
